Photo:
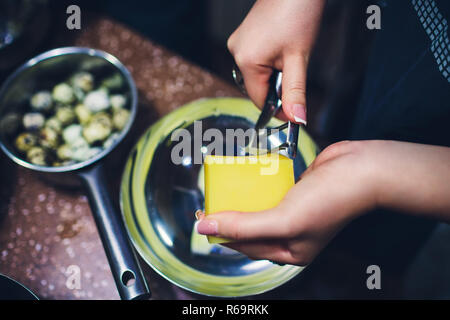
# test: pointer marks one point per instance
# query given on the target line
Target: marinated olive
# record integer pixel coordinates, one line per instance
(93, 151)
(25, 141)
(99, 128)
(103, 118)
(54, 123)
(120, 118)
(96, 131)
(64, 152)
(79, 94)
(118, 101)
(37, 155)
(97, 100)
(66, 115)
(80, 149)
(114, 82)
(83, 113)
(72, 133)
(80, 143)
(41, 101)
(83, 80)
(49, 138)
(33, 121)
(63, 93)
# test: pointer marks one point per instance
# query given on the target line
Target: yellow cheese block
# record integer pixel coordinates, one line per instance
(246, 184)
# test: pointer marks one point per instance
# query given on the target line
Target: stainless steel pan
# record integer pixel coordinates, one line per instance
(50, 67)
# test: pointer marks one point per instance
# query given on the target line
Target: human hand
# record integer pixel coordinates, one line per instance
(277, 35)
(336, 188)
(344, 181)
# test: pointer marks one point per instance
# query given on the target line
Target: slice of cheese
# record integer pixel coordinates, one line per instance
(246, 184)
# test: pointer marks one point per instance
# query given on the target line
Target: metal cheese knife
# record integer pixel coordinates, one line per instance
(272, 106)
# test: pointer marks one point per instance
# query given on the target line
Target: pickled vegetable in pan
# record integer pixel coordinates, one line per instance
(70, 122)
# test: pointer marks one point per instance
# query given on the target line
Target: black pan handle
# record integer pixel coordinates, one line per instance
(122, 259)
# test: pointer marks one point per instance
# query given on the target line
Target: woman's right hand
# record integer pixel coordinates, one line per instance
(277, 34)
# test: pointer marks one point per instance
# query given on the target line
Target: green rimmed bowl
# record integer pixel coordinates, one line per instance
(159, 198)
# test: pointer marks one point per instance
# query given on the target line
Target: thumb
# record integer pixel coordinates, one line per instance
(244, 226)
(294, 88)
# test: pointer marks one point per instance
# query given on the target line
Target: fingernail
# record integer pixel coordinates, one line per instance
(199, 214)
(207, 227)
(299, 113)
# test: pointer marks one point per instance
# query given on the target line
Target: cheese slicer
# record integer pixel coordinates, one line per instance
(272, 106)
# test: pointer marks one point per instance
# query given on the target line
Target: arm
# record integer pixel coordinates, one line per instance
(346, 180)
(277, 34)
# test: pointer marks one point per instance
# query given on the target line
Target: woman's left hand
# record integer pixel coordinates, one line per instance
(346, 180)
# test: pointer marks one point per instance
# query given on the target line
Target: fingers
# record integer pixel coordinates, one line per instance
(294, 88)
(249, 59)
(256, 81)
(265, 250)
(245, 226)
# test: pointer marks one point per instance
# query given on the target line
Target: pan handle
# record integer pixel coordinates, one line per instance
(122, 259)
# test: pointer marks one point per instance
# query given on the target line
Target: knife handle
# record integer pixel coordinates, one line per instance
(272, 104)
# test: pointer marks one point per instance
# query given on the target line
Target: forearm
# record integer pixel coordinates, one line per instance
(415, 178)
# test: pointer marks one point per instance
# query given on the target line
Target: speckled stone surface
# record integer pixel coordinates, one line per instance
(47, 234)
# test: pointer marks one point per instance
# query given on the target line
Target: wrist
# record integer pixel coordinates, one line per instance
(370, 175)
(377, 155)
